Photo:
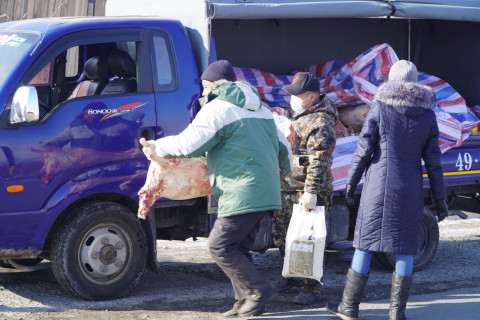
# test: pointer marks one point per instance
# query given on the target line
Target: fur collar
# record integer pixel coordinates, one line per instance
(405, 94)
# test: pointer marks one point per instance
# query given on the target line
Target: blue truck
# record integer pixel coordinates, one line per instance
(76, 94)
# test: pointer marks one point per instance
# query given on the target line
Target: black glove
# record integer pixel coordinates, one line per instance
(349, 192)
(441, 209)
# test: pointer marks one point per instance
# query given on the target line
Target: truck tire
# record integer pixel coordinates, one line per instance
(427, 246)
(100, 253)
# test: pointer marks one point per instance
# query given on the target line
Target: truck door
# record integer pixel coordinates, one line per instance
(175, 80)
(84, 140)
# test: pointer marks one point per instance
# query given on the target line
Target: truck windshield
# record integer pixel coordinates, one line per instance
(13, 46)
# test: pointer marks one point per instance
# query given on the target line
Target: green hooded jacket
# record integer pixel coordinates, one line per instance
(246, 153)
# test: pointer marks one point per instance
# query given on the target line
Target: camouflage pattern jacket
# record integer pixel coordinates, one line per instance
(313, 141)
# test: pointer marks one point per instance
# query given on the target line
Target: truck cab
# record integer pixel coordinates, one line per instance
(76, 94)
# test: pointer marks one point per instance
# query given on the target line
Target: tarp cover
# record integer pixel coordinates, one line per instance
(265, 9)
(462, 10)
(355, 83)
(466, 10)
(196, 14)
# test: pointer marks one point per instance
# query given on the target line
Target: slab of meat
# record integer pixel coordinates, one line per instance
(354, 116)
(343, 131)
(175, 179)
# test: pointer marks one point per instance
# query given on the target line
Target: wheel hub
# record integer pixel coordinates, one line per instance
(103, 253)
(108, 254)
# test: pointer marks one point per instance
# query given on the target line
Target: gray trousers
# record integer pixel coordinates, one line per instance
(229, 245)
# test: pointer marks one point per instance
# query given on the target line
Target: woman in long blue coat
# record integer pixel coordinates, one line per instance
(400, 131)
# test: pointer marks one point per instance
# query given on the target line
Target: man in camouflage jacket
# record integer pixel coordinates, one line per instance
(313, 141)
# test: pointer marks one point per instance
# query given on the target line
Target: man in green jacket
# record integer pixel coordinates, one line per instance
(246, 155)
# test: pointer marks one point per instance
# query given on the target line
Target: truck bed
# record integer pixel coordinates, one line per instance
(461, 165)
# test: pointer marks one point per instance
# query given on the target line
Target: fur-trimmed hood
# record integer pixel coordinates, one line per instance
(405, 94)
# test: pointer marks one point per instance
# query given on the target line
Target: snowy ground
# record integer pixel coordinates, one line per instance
(191, 286)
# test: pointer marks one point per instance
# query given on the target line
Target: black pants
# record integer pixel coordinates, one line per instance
(229, 245)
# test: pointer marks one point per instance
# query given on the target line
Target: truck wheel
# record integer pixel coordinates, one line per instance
(427, 245)
(100, 253)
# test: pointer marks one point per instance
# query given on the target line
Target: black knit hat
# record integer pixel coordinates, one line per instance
(302, 82)
(221, 69)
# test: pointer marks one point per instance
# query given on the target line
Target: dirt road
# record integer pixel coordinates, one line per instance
(191, 286)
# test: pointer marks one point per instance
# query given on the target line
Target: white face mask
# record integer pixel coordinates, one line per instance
(296, 104)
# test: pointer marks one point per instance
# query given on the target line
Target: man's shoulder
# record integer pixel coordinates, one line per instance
(317, 118)
(216, 106)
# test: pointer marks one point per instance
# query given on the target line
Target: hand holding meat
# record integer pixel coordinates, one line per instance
(175, 179)
(150, 150)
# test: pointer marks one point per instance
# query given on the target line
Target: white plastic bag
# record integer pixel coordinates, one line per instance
(283, 124)
(305, 244)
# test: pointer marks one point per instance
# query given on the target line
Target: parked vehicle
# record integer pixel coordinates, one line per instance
(76, 94)
(71, 164)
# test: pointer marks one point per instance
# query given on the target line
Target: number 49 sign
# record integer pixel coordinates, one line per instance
(465, 162)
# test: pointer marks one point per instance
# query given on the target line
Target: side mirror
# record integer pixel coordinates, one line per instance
(25, 105)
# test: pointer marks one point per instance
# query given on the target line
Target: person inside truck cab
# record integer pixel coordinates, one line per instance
(400, 130)
(245, 160)
(313, 141)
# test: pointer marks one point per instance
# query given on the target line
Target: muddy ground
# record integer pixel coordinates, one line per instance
(191, 286)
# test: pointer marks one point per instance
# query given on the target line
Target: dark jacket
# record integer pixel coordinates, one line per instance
(399, 131)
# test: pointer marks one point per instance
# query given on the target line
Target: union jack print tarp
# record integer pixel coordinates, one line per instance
(355, 83)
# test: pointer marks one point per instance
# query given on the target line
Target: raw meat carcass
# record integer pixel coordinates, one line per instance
(343, 131)
(175, 179)
(354, 116)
